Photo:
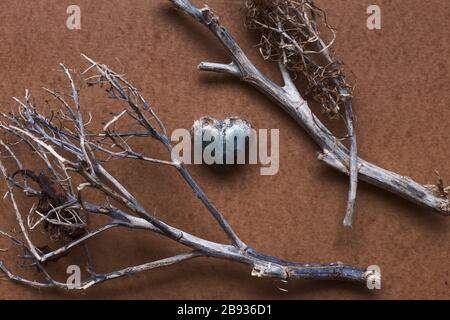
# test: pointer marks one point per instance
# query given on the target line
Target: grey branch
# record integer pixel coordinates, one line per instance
(333, 153)
(70, 152)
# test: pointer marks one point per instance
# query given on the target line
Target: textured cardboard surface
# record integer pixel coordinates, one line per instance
(403, 117)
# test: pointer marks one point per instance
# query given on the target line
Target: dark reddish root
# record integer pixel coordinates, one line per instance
(53, 195)
(293, 32)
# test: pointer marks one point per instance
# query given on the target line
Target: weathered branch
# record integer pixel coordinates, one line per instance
(99, 278)
(82, 151)
(334, 153)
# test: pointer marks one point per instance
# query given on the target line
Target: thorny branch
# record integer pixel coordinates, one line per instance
(75, 160)
(333, 153)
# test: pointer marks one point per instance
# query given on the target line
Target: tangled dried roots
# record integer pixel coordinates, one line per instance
(65, 223)
(291, 32)
(59, 220)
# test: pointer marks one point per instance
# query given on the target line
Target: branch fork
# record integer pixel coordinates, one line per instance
(86, 155)
(333, 153)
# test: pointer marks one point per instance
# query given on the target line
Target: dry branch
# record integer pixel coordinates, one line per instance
(70, 152)
(333, 153)
(292, 34)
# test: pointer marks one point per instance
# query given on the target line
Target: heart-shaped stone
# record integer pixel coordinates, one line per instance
(232, 135)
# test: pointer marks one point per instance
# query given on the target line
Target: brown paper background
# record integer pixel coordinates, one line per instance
(403, 118)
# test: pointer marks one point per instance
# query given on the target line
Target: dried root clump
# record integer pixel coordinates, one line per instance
(54, 209)
(292, 32)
